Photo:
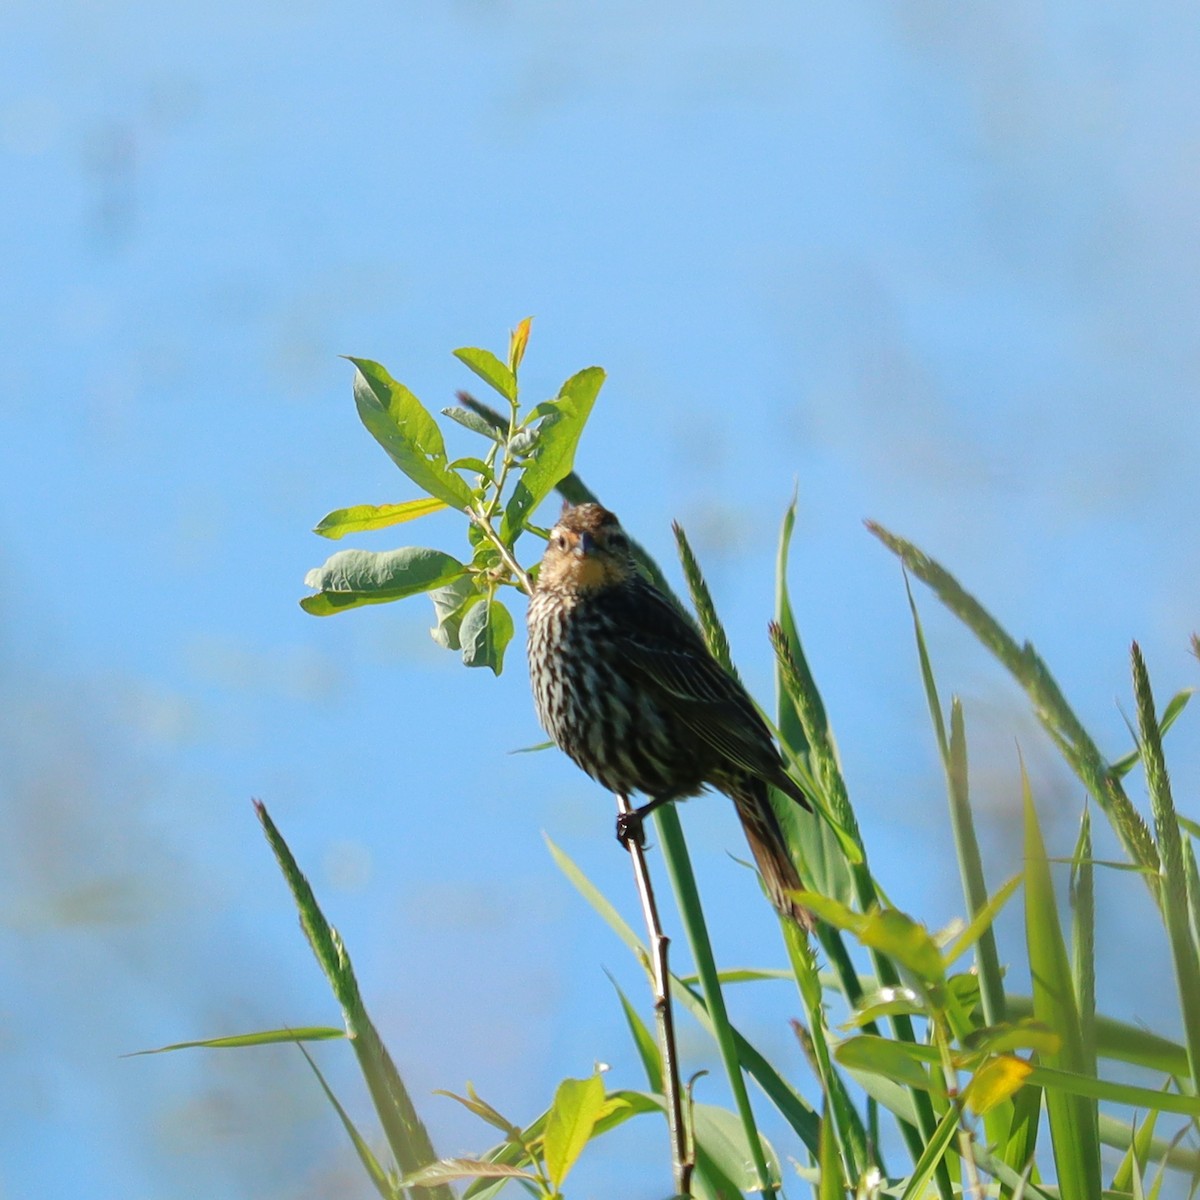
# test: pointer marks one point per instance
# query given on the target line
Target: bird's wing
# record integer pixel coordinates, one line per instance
(671, 659)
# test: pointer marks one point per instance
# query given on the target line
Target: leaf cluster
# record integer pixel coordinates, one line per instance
(527, 454)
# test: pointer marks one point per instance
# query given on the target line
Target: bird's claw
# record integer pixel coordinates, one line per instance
(629, 830)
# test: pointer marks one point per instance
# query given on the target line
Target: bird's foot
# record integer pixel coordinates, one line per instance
(629, 830)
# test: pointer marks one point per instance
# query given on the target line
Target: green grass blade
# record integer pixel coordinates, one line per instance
(1136, 1154)
(1174, 872)
(831, 1184)
(643, 1040)
(1175, 706)
(406, 1135)
(970, 864)
(1117, 1133)
(1083, 941)
(687, 895)
(366, 1155)
(934, 1153)
(953, 750)
(927, 676)
(1073, 1126)
(269, 1037)
(597, 899)
(1122, 1042)
(1193, 885)
(1087, 1087)
(1028, 669)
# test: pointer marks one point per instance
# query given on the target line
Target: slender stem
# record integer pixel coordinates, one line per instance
(681, 1157)
(522, 576)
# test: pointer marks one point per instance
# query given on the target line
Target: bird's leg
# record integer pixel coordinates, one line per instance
(629, 824)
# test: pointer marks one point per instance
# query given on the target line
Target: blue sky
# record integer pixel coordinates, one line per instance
(929, 264)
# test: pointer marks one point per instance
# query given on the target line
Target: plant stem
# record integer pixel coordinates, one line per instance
(681, 1157)
(522, 576)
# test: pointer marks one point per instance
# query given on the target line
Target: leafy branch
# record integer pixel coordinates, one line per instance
(529, 453)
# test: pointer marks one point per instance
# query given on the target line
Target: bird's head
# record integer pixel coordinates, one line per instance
(587, 549)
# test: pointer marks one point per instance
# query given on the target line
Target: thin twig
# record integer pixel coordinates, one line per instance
(682, 1159)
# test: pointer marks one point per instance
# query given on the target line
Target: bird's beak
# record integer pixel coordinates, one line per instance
(585, 545)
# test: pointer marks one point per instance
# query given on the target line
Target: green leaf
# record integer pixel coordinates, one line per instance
(474, 464)
(490, 369)
(399, 422)
(720, 1137)
(1014, 1035)
(886, 1002)
(888, 930)
(270, 1037)
(1073, 1125)
(573, 1115)
(364, 517)
(898, 1061)
(352, 578)
(554, 456)
(474, 422)
(618, 1108)
(450, 604)
(524, 441)
(484, 1111)
(486, 630)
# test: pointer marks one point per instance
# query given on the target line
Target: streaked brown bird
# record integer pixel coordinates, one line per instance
(628, 689)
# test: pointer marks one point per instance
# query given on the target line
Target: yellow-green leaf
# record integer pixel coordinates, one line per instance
(363, 517)
(578, 1104)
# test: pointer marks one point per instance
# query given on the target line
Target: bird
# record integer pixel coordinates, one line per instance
(627, 688)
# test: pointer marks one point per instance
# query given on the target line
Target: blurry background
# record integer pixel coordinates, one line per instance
(928, 263)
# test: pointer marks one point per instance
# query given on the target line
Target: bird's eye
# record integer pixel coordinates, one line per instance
(560, 541)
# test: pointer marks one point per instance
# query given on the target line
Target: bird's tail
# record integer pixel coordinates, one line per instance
(767, 843)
